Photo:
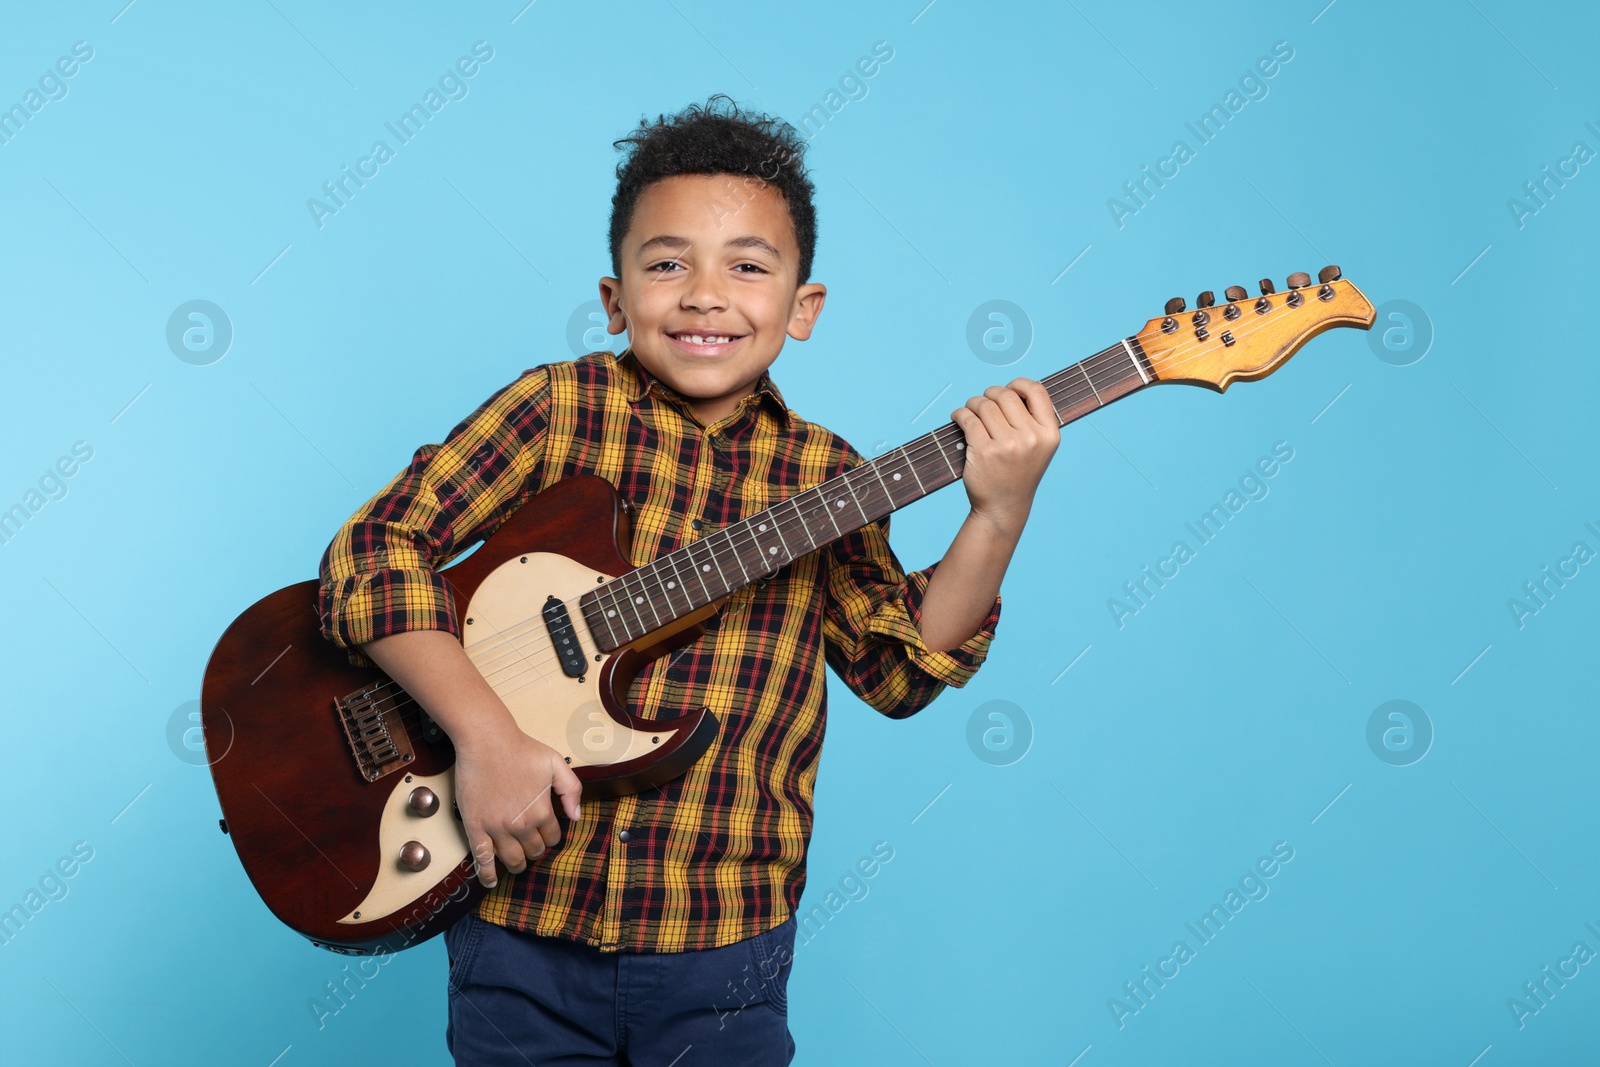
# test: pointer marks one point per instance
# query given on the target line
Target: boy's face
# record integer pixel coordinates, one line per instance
(709, 286)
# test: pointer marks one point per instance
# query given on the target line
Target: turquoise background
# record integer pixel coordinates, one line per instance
(1229, 714)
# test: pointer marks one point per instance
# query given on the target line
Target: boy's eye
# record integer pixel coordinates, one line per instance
(758, 268)
(667, 264)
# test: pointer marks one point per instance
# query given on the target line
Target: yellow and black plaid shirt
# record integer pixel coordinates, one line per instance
(717, 855)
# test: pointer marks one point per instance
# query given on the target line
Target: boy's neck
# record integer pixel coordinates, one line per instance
(713, 410)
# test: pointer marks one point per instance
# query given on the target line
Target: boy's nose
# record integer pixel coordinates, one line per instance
(705, 295)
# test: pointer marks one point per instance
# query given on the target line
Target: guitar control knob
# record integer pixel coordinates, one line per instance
(1235, 292)
(1205, 299)
(1266, 287)
(1299, 280)
(1327, 274)
(423, 801)
(414, 856)
(1175, 305)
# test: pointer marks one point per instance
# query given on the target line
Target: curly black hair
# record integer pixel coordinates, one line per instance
(716, 138)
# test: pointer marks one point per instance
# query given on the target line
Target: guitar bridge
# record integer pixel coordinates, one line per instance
(378, 738)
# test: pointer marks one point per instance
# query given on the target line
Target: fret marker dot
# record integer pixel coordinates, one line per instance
(897, 476)
(772, 551)
(638, 600)
(841, 503)
(705, 566)
(960, 445)
(762, 527)
(611, 614)
(672, 585)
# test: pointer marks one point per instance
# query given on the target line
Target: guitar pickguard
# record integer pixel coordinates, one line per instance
(508, 640)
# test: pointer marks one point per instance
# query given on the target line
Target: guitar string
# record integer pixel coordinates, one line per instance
(1076, 394)
(609, 598)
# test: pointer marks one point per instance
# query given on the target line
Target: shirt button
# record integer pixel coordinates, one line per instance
(696, 523)
(624, 837)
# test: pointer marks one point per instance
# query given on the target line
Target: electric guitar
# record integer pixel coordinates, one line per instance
(339, 791)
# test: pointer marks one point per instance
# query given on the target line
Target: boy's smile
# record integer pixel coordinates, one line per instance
(709, 287)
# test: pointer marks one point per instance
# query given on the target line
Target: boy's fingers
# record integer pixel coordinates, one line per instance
(970, 424)
(482, 855)
(1040, 407)
(511, 853)
(990, 414)
(569, 787)
(1012, 406)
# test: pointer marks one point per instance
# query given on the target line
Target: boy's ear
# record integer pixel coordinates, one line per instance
(807, 306)
(611, 300)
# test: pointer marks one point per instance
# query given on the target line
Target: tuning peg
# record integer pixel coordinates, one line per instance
(1328, 274)
(1266, 287)
(1235, 292)
(1205, 299)
(1175, 305)
(1299, 280)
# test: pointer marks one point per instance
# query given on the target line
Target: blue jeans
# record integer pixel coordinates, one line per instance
(521, 999)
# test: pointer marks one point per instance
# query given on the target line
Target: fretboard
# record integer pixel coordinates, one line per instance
(688, 578)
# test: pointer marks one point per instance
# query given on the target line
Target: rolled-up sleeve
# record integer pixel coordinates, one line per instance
(379, 576)
(872, 628)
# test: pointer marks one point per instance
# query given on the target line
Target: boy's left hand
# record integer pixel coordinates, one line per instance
(1012, 431)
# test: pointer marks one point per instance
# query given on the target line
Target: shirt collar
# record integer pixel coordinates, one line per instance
(636, 382)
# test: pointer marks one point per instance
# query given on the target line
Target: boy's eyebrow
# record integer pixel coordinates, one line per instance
(747, 241)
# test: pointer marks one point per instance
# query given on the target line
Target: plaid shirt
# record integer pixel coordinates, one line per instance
(717, 855)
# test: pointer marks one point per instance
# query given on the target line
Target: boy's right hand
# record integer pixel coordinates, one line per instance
(504, 783)
(503, 776)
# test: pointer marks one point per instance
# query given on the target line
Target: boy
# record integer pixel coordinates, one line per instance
(658, 928)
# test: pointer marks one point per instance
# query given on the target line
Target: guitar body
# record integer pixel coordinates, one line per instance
(339, 793)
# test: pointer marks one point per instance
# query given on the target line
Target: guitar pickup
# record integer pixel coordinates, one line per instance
(564, 638)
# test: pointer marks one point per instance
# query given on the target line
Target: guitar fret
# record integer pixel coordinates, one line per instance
(643, 597)
(626, 602)
(851, 489)
(886, 493)
(822, 505)
(738, 557)
(617, 625)
(763, 552)
(778, 529)
(1090, 380)
(675, 582)
(805, 527)
(695, 565)
(913, 468)
(726, 585)
(945, 456)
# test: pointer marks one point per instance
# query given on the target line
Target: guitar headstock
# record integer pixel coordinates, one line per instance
(1247, 338)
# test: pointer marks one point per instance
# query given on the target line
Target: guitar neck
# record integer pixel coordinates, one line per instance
(687, 579)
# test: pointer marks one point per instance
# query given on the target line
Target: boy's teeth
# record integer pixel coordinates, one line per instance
(704, 339)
